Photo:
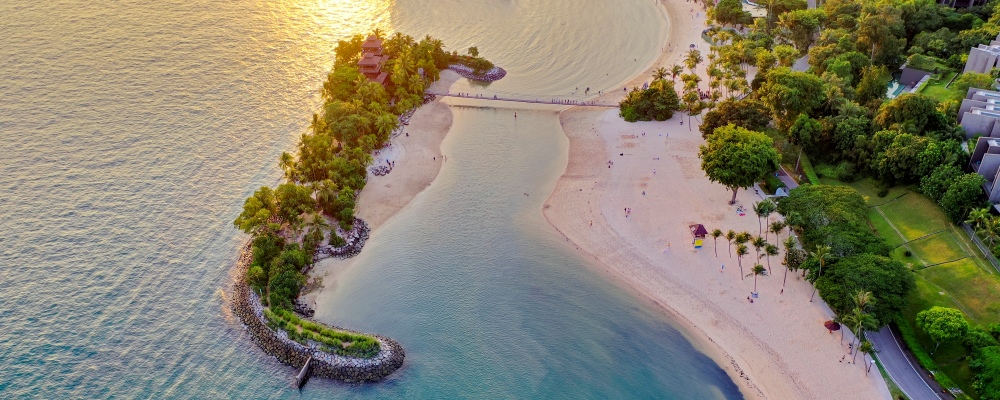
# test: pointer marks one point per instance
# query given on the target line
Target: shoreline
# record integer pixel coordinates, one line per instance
(418, 160)
(585, 208)
(245, 305)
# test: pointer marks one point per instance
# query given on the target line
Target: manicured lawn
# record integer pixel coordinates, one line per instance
(937, 89)
(915, 216)
(882, 228)
(867, 188)
(939, 248)
(976, 291)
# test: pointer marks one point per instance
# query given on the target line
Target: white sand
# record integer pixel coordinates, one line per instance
(775, 348)
(418, 161)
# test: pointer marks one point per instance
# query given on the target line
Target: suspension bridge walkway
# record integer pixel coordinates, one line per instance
(555, 101)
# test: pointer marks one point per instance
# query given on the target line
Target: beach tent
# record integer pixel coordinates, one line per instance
(698, 232)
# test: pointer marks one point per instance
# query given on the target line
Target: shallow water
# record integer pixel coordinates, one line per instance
(132, 131)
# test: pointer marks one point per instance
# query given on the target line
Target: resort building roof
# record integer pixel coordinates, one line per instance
(372, 45)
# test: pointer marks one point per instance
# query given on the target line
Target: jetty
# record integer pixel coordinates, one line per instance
(303, 375)
(554, 101)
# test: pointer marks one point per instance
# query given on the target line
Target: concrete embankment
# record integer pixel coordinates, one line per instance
(247, 306)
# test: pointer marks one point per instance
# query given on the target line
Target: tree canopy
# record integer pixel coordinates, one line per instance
(747, 113)
(942, 324)
(888, 280)
(834, 216)
(656, 103)
(738, 157)
(789, 93)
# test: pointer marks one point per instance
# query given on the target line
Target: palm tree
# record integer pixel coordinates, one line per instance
(763, 209)
(869, 350)
(977, 217)
(770, 250)
(860, 322)
(863, 299)
(730, 236)
(759, 208)
(660, 74)
(789, 246)
(287, 163)
(743, 237)
(822, 253)
(758, 243)
(770, 209)
(715, 235)
(776, 228)
(676, 71)
(757, 270)
(741, 250)
(692, 59)
(990, 229)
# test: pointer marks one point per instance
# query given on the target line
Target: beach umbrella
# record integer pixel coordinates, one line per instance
(832, 326)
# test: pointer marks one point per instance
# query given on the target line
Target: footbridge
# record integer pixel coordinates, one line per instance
(526, 99)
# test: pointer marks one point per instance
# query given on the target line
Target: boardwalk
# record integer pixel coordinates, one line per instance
(561, 102)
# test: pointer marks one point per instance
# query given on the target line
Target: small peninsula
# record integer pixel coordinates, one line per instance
(372, 91)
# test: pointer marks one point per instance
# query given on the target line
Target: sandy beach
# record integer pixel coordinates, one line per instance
(417, 157)
(775, 347)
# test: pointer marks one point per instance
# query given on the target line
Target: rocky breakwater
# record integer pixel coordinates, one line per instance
(247, 306)
(355, 240)
(494, 74)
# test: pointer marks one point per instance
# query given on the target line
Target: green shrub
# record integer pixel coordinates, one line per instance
(336, 240)
(771, 184)
(657, 103)
(845, 171)
(985, 362)
(333, 340)
(810, 172)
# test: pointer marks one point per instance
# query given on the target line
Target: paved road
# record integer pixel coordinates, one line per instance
(900, 369)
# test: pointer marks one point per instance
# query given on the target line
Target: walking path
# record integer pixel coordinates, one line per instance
(565, 102)
(907, 376)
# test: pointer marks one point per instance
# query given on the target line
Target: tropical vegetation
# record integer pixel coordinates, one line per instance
(328, 170)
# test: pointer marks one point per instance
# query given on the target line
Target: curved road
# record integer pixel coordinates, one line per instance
(908, 376)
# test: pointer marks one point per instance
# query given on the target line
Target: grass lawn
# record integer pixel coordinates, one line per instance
(882, 228)
(915, 216)
(976, 291)
(939, 248)
(868, 189)
(937, 90)
(969, 284)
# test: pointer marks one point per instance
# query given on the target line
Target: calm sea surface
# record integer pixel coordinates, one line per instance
(131, 132)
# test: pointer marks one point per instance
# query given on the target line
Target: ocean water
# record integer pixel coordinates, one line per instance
(132, 131)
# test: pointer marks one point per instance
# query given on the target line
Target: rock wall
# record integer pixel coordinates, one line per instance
(494, 74)
(355, 239)
(247, 306)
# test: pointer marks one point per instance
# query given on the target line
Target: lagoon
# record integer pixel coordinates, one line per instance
(133, 131)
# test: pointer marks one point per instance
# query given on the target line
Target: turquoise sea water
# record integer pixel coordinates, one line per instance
(132, 131)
